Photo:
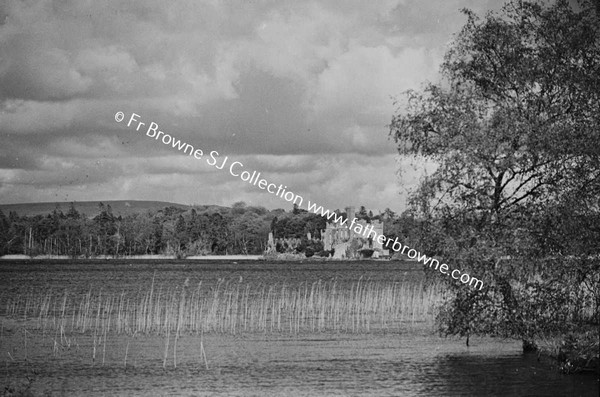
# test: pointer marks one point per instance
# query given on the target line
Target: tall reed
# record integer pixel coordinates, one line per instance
(232, 308)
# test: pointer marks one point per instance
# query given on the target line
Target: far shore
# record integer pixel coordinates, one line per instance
(149, 257)
(288, 258)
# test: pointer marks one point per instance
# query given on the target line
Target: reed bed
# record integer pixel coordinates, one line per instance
(232, 308)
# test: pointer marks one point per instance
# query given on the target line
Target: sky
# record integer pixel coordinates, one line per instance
(300, 91)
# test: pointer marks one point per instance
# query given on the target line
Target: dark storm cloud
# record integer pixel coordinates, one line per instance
(301, 91)
(16, 158)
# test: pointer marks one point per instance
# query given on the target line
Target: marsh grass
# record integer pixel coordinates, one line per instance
(228, 307)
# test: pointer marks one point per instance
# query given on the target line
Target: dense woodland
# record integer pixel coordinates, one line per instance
(202, 230)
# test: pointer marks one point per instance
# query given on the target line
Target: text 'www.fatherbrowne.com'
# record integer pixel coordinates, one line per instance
(254, 178)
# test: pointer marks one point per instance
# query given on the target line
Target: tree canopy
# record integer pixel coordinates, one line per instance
(514, 120)
(241, 229)
(514, 127)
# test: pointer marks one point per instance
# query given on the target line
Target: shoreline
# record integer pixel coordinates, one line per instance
(193, 257)
(257, 258)
(131, 257)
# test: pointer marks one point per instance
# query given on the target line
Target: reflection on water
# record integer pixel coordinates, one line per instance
(516, 375)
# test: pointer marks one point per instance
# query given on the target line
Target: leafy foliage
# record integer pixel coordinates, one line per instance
(514, 128)
(242, 229)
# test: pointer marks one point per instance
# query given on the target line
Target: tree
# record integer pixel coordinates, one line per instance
(105, 230)
(249, 233)
(218, 232)
(238, 208)
(362, 213)
(388, 214)
(273, 226)
(71, 227)
(4, 233)
(73, 213)
(514, 128)
(181, 235)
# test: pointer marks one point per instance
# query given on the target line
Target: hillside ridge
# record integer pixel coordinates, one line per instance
(91, 208)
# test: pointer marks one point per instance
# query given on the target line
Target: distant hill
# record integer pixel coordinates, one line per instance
(90, 208)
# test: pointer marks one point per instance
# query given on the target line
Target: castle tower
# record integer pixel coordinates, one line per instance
(351, 213)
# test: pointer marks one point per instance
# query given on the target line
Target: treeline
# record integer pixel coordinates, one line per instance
(203, 230)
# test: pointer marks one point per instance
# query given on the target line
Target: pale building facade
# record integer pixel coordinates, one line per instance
(345, 237)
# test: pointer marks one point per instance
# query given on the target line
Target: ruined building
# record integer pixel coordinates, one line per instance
(348, 239)
(350, 242)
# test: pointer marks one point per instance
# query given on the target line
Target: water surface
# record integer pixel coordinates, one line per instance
(413, 361)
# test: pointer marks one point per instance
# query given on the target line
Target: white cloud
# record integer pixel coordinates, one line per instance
(362, 80)
(298, 90)
(34, 117)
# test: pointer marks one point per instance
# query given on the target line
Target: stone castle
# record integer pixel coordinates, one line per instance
(347, 243)
(341, 237)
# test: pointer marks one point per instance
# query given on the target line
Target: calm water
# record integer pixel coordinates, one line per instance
(413, 362)
(410, 364)
(116, 276)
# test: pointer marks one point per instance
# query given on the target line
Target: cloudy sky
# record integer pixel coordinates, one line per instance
(300, 91)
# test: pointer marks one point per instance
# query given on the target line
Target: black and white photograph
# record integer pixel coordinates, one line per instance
(299, 198)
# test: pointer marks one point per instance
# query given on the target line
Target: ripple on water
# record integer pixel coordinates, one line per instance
(392, 364)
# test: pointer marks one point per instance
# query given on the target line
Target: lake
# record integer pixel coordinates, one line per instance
(98, 328)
